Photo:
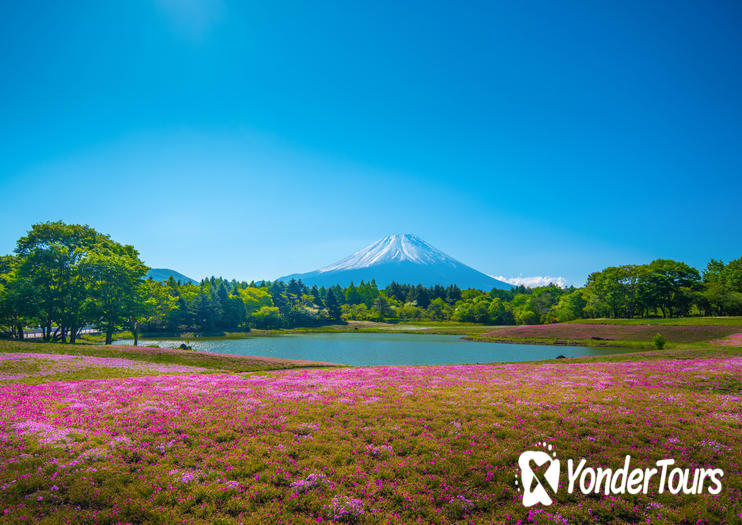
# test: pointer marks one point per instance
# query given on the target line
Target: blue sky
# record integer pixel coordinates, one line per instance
(251, 140)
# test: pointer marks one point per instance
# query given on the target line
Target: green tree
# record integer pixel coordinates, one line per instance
(333, 308)
(381, 308)
(570, 306)
(672, 282)
(439, 310)
(267, 317)
(316, 297)
(113, 274)
(498, 313)
(16, 308)
(205, 312)
(154, 305)
(254, 298)
(50, 257)
(352, 296)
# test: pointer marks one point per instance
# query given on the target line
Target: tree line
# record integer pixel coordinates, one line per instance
(63, 277)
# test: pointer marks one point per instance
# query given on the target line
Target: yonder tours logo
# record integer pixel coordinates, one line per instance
(540, 473)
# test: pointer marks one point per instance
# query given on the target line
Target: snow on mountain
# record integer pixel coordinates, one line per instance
(404, 258)
(392, 248)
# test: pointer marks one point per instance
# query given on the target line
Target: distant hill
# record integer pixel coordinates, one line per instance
(163, 274)
(404, 258)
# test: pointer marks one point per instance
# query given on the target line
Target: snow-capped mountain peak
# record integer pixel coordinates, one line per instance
(402, 247)
(401, 258)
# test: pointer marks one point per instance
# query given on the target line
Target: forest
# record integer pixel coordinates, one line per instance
(64, 277)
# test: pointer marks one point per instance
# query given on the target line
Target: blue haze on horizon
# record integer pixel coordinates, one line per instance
(251, 141)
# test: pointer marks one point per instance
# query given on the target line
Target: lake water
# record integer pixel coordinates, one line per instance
(367, 349)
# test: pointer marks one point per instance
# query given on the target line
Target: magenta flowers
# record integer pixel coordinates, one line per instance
(389, 444)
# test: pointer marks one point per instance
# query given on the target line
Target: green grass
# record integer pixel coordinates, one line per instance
(561, 341)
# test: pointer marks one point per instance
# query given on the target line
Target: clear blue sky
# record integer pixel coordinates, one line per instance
(256, 139)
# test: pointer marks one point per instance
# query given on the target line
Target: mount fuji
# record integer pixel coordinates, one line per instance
(403, 258)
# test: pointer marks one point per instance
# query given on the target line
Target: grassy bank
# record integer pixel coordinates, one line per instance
(619, 333)
(439, 328)
(158, 356)
(592, 332)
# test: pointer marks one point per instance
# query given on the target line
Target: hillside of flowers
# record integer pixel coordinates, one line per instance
(362, 445)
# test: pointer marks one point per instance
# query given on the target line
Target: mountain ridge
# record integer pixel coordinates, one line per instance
(163, 274)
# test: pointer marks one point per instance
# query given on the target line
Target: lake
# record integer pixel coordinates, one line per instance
(374, 349)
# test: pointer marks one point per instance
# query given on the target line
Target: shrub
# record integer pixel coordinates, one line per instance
(659, 342)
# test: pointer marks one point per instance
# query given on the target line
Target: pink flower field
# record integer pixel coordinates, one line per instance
(365, 445)
(732, 340)
(38, 364)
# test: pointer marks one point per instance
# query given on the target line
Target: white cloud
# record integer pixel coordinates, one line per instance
(533, 282)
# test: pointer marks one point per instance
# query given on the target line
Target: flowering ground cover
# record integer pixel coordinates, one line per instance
(160, 356)
(675, 321)
(366, 445)
(599, 333)
(732, 340)
(45, 367)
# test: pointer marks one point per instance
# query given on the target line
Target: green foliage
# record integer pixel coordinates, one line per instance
(570, 306)
(722, 294)
(663, 286)
(114, 294)
(658, 341)
(267, 317)
(64, 277)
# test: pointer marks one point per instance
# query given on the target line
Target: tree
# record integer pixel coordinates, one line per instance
(155, 303)
(368, 293)
(722, 287)
(395, 291)
(205, 312)
(570, 306)
(476, 311)
(234, 315)
(294, 291)
(498, 313)
(672, 280)
(267, 317)
(254, 299)
(50, 257)
(277, 291)
(113, 274)
(352, 296)
(333, 308)
(453, 294)
(381, 308)
(544, 298)
(178, 316)
(419, 295)
(15, 305)
(438, 309)
(316, 296)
